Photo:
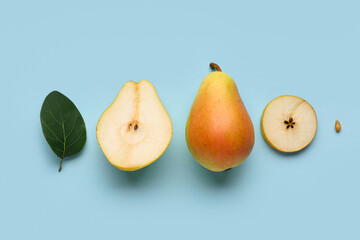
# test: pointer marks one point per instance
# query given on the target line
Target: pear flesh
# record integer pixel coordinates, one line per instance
(288, 123)
(136, 129)
(219, 131)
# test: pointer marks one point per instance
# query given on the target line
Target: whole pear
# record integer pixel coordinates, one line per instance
(219, 131)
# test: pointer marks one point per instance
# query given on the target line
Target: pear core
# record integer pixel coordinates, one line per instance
(133, 132)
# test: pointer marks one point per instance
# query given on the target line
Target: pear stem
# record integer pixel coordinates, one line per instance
(215, 67)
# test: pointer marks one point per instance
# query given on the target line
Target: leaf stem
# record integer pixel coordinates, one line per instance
(61, 164)
(215, 66)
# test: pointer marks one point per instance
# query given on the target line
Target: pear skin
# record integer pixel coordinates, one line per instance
(219, 132)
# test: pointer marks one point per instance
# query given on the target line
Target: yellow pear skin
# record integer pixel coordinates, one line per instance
(219, 132)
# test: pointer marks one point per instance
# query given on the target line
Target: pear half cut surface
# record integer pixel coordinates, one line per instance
(219, 131)
(288, 123)
(136, 129)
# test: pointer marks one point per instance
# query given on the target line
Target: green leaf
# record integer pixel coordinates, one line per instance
(63, 126)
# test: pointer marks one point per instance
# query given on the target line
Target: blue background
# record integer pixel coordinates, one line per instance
(88, 50)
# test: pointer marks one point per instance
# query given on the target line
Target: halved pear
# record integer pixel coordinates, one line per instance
(288, 123)
(136, 129)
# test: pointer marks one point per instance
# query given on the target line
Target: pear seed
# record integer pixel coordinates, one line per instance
(337, 126)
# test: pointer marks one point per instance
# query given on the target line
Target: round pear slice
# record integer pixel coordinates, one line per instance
(136, 129)
(288, 123)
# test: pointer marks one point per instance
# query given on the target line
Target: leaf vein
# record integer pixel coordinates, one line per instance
(52, 132)
(75, 139)
(72, 127)
(52, 114)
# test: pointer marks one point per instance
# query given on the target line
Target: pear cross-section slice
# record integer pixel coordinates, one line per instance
(288, 123)
(136, 129)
